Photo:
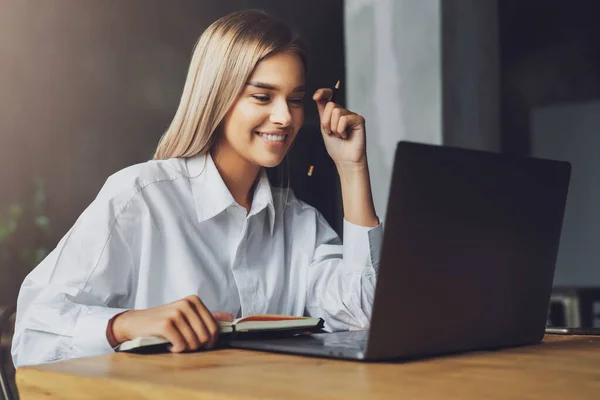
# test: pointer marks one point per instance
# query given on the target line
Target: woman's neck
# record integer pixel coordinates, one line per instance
(238, 174)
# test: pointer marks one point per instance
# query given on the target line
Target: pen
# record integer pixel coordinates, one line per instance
(335, 89)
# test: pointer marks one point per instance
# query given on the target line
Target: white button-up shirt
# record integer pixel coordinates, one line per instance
(163, 230)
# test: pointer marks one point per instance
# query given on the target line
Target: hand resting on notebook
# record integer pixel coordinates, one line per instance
(186, 323)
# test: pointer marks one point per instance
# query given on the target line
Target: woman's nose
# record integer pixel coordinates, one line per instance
(281, 114)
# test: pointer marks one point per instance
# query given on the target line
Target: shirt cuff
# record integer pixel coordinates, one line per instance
(362, 245)
(89, 337)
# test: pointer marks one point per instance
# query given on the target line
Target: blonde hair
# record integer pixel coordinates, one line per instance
(223, 59)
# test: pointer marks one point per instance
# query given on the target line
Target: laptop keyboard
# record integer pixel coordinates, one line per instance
(347, 340)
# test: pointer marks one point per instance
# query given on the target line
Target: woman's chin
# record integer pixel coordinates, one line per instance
(270, 162)
(268, 159)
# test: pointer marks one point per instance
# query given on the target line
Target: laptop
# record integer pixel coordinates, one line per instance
(470, 246)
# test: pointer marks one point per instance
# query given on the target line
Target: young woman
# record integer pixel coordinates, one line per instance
(197, 235)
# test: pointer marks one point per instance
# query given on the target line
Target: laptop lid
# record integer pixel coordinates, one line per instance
(469, 251)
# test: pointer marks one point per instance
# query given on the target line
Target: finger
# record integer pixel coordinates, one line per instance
(343, 124)
(321, 97)
(355, 121)
(170, 332)
(323, 94)
(211, 325)
(190, 337)
(326, 118)
(200, 329)
(336, 115)
(223, 316)
(195, 325)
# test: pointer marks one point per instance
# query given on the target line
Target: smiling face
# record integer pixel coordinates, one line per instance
(262, 124)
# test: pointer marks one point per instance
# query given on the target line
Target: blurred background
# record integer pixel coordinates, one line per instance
(87, 87)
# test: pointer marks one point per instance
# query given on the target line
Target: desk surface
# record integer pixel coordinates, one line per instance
(563, 367)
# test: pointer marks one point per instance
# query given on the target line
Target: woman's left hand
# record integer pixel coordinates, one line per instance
(343, 131)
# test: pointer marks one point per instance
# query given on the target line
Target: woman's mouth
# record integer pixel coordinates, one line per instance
(272, 137)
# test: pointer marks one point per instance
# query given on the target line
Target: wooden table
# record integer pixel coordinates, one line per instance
(563, 367)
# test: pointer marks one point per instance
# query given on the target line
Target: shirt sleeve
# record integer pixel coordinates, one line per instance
(65, 303)
(342, 277)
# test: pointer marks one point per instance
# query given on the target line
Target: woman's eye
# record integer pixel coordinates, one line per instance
(261, 98)
(297, 101)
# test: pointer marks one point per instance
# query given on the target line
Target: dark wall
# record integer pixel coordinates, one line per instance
(550, 53)
(88, 87)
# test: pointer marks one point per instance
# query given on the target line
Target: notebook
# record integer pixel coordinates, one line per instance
(260, 325)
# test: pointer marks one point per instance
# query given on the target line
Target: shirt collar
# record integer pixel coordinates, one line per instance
(263, 197)
(211, 195)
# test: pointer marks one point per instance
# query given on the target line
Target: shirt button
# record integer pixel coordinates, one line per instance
(235, 207)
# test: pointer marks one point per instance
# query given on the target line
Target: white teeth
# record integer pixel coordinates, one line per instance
(275, 138)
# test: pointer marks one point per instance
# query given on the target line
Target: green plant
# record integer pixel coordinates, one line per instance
(25, 231)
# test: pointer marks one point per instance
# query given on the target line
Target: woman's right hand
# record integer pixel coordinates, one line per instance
(186, 323)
